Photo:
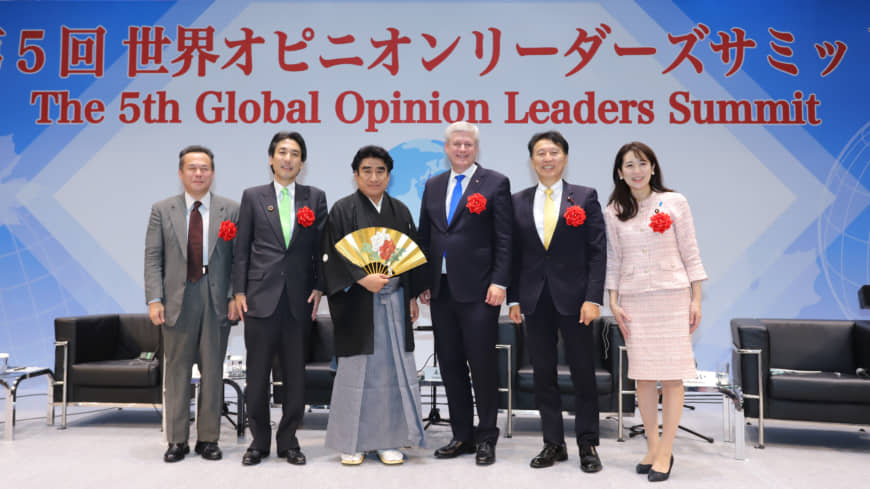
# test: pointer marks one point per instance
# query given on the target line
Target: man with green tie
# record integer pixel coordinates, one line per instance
(277, 284)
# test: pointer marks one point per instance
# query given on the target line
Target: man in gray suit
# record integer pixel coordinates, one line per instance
(188, 261)
(277, 282)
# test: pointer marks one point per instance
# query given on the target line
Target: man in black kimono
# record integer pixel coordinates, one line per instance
(375, 398)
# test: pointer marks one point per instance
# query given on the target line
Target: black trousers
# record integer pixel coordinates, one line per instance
(264, 337)
(542, 330)
(465, 336)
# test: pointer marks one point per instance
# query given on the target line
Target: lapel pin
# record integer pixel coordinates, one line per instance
(270, 208)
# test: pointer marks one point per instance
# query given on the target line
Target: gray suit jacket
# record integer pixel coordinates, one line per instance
(166, 255)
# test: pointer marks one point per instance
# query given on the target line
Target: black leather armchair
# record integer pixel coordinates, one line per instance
(97, 361)
(808, 369)
(607, 340)
(319, 370)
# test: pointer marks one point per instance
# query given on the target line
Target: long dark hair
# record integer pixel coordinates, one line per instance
(626, 204)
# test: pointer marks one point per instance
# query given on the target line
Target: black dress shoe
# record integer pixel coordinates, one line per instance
(454, 449)
(550, 454)
(485, 453)
(293, 456)
(176, 452)
(645, 468)
(208, 450)
(655, 476)
(589, 461)
(253, 456)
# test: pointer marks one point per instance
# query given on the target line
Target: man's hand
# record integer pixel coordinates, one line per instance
(515, 314)
(232, 311)
(374, 282)
(589, 312)
(241, 305)
(426, 296)
(414, 309)
(495, 295)
(155, 312)
(314, 298)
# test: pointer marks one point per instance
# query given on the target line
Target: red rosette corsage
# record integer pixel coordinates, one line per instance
(227, 231)
(305, 217)
(387, 249)
(476, 203)
(660, 222)
(575, 216)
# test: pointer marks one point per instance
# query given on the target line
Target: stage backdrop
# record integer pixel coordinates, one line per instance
(757, 111)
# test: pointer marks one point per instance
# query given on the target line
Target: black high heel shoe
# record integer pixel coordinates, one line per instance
(643, 468)
(655, 476)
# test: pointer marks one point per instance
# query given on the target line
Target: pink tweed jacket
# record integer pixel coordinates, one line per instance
(641, 260)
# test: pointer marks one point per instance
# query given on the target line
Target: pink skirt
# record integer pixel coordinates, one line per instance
(659, 344)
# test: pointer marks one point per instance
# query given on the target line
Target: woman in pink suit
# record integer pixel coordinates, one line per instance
(654, 275)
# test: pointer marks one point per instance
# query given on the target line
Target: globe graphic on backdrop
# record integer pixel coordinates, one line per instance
(413, 163)
(844, 227)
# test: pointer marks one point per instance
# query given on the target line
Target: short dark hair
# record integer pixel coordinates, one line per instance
(554, 136)
(282, 135)
(372, 151)
(195, 149)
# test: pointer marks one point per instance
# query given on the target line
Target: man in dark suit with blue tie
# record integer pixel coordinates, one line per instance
(278, 287)
(558, 283)
(465, 230)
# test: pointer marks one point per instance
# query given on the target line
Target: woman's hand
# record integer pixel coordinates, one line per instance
(694, 315)
(622, 319)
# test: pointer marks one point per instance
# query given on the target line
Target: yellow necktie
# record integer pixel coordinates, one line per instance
(549, 218)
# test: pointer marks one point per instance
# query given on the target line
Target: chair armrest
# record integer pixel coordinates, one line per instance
(611, 341)
(508, 334)
(321, 341)
(748, 337)
(861, 341)
(65, 330)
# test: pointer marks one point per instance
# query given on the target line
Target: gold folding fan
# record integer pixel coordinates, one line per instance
(381, 250)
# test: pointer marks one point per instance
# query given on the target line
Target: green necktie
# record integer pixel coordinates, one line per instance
(284, 212)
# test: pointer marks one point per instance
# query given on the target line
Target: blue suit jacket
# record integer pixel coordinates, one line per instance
(575, 264)
(478, 246)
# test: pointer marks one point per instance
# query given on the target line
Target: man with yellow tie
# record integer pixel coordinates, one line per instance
(559, 258)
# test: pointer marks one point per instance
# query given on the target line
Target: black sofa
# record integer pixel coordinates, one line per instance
(97, 361)
(607, 340)
(319, 368)
(809, 369)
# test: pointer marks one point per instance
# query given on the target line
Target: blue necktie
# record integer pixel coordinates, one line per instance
(455, 198)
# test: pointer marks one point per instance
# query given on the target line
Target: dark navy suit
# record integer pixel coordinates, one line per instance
(551, 286)
(277, 281)
(478, 252)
